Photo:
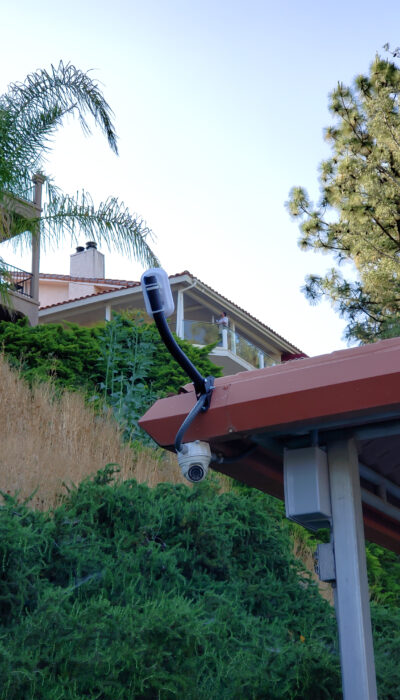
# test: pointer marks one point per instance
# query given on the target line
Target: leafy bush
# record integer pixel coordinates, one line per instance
(76, 357)
(67, 354)
(129, 346)
(128, 592)
(123, 363)
(135, 368)
(126, 356)
(386, 628)
(383, 575)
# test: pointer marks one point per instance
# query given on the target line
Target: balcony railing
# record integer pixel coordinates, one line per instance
(203, 333)
(16, 280)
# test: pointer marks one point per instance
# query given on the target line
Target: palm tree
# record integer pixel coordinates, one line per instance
(30, 114)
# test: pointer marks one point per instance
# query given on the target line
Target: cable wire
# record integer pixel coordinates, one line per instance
(197, 408)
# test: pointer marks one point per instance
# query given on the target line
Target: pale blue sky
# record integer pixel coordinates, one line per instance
(219, 107)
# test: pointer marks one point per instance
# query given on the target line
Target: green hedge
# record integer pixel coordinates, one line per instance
(122, 364)
(128, 592)
(68, 355)
(75, 357)
(131, 592)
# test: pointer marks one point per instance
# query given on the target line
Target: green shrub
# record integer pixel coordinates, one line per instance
(128, 592)
(383, 575)
(136, 368)
(122, 364)
(76, 357)
(130, 347)
(125, 362)
(67, 355)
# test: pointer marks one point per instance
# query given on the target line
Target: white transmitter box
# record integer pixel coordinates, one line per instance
(306, 482)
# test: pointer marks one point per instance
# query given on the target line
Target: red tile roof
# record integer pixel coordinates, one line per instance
(93, 280)
(126, 284)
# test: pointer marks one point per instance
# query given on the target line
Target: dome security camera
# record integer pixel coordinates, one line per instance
(193, 459)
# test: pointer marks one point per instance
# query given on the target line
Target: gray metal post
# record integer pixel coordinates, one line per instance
(37, 199)
(351, 596)
(180, 314)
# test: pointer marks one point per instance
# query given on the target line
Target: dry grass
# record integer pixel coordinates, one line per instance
(48, 442)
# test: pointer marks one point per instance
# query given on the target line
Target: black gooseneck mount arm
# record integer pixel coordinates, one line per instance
(203, 385)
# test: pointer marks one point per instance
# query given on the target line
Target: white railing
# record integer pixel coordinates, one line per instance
(204, 333)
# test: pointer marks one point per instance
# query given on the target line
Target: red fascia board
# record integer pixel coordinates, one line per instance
(355, 383)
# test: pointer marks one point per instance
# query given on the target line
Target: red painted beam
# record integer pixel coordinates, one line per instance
(357, 385)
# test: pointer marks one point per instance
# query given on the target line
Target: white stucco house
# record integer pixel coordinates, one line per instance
(86, 296)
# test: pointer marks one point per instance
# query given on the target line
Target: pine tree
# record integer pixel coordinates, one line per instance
(358, 215)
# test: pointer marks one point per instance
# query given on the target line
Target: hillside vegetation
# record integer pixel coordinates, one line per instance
(70, 400)
(131, 592)
(51, 441)
(116, 590)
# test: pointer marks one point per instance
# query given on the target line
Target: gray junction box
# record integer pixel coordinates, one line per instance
(306, 483)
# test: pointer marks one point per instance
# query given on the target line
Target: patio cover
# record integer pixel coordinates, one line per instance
(299, 403)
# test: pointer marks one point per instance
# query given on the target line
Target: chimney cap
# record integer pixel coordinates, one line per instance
(79, 248)
(91, 244)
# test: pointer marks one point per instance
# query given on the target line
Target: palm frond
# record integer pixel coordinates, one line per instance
(111, 224)
(30, 114)
(21, 153)
(5, 284)
(65, 87)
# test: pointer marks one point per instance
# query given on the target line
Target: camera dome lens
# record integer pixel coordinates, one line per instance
(196, 472)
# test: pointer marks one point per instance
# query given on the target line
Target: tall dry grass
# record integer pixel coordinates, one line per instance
(48, 443)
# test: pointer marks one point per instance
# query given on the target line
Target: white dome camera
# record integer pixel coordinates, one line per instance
(193, 459)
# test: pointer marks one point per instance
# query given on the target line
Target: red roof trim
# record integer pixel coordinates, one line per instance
(88, 296)
(96, 280)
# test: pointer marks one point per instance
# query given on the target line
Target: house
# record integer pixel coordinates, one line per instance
(86, 296)
(22, 286)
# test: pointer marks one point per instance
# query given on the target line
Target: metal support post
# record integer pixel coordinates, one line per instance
(38, 181)
(180, 315)
(351, 594)
(233, 337)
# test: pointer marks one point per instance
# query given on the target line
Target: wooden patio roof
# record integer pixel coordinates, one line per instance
(298, 403)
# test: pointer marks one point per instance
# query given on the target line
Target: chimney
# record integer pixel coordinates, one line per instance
(87, 262)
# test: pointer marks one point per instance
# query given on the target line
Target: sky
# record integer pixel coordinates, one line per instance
(219, 108)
